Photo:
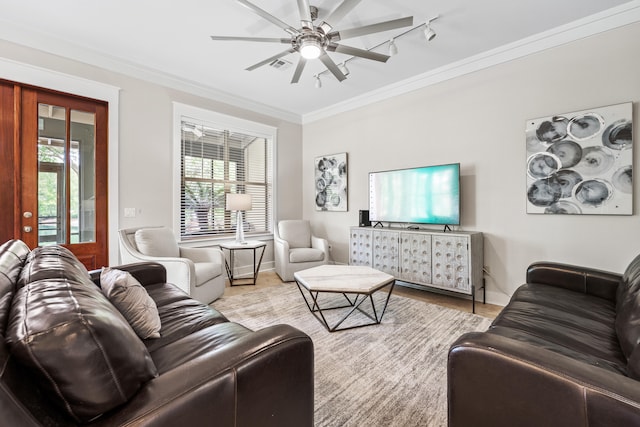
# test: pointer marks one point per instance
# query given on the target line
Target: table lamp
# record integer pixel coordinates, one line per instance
(239, 203)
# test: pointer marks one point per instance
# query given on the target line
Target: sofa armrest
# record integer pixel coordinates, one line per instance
(147, 273)
(603, 284)
(264, 378)
(496, 381)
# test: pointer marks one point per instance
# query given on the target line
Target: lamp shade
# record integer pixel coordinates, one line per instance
(238, 202)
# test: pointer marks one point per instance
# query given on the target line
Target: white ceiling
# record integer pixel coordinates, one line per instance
(168, 41)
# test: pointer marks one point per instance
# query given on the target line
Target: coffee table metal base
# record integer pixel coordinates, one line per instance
(318, 312)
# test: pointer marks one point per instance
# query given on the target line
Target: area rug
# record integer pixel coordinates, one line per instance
(391, 374)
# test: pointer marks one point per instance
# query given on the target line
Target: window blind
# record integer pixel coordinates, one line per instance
(216, 161)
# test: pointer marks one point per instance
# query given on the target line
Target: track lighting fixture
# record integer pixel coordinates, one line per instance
(393, 49)
(390, 44)
(428, 32)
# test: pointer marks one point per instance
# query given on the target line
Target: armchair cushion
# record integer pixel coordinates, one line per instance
(157, 242)
(59, 262)
(132, 300)
(296, 232)
(305, 255)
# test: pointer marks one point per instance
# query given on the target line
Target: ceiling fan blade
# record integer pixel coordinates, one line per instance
(268, 60)
(354, 51)
(305, 13)
(328, 62)
(296, 75)
(269, 17)
(251, 39)
(338, 13)
(373, 28)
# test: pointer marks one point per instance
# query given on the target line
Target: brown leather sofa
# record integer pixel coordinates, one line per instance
(67, 356)
(564, 352)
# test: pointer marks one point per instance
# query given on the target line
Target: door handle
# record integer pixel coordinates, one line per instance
(27, 229)
(27, 214)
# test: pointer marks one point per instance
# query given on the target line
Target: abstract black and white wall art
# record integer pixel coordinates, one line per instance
(581, 162)
(331, 182)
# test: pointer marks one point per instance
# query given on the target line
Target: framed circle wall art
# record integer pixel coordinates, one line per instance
(580, 163)
(330, 180)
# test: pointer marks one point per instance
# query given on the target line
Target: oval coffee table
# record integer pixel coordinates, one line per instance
(356, 283)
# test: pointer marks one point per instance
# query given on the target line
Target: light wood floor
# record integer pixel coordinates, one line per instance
(270, 278)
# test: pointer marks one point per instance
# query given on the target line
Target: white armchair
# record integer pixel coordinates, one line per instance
(197, 271)
(295, 248)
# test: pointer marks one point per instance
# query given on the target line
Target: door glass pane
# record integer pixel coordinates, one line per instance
(82, 177)
(51, 175)
(55, 168)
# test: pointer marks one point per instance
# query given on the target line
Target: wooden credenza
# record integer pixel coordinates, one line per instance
(451, 261)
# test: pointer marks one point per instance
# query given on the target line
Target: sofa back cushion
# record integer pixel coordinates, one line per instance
(628, 316)
(296, 232)
(49, 262)
(85, 355)
(13, 254)
(157, 242)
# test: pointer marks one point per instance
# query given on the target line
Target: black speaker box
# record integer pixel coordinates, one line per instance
(364, 219)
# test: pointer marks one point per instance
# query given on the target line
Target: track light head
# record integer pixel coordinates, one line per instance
(393, 49)
(428, 32)
(344, 69)
(318, 82)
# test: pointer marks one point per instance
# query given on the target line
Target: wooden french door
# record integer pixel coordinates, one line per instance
(63, 174)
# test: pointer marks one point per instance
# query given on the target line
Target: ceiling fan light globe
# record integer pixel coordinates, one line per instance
(310, 49)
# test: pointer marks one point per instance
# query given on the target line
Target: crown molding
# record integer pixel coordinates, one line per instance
(607, 20)
(69, 50)
(610, 19)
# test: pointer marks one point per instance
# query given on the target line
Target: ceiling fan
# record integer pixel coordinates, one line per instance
(314, 41)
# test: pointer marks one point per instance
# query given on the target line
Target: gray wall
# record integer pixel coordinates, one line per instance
(145, 146)
(479, 120)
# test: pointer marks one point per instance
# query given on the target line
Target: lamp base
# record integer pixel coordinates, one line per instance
(240, 229)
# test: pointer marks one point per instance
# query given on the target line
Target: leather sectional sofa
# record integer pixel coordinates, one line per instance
(564, 352)
(68, 356)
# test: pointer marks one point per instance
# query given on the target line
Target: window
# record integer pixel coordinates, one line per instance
(219, 155)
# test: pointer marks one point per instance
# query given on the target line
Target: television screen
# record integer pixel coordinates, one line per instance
(424, 195)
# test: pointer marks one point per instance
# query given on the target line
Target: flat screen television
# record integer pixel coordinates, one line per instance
(422, 195)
